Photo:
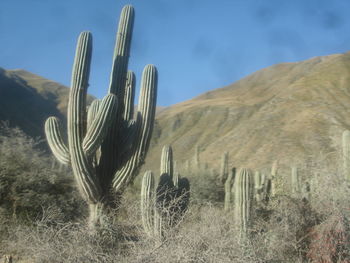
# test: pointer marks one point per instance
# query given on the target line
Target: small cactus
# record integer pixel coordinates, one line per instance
(259, 186)
(164, 206)
(244, 199)
(274, 179)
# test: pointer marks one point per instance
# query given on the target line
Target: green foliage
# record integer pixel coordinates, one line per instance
(28, 184)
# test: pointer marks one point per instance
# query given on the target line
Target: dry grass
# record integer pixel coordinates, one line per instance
(287, 229)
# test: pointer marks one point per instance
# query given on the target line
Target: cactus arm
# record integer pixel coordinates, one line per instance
(176, 178)
(166, 164)
(55, 141)
(147, 202)
(129, 96)
(122, 52)
(99, 126)
(92, 112)
(147, 108)
(146, 114)
(83, 172)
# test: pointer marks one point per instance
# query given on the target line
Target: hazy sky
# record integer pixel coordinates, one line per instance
(197, 45)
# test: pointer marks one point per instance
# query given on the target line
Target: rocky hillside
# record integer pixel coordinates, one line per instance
(290, 112)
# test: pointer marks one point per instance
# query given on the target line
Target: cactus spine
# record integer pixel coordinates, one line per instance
(346, 154)
(106, 145)
(244, 198)
(164, 207)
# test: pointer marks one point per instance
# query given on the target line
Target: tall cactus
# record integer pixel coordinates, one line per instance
(224, 173)
(244, 199)
(346, 154)
(228, 189)
(162, 207)
(106, 146)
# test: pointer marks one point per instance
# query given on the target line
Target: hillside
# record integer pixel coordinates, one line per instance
(27, 100)
(289, 112)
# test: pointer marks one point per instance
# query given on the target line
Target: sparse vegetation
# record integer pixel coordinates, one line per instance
(297, 216)
(48, 222)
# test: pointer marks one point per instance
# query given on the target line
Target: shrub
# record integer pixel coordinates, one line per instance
(28, 183)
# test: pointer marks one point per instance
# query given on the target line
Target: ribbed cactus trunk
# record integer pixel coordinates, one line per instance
(106, 145)
(274, 179)
(244, 199)
(147, 203)
(346, 155)
(228, 189)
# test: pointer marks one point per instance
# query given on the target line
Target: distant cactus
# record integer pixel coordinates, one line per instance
(228, 189)
(224, 173)
(162, 207)
(346, 154)
(259, 186)
(244, 199)
(274, 179)
(196, 158)
(306, 191)
(296, 190)
(106, 146)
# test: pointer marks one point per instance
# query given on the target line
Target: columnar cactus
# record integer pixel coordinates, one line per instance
(296, 190)
(224, 173)
(229, 189)
(346, 154)
(164, 206)
(196, 158)
(273, 178)
(147, 201)
(106, 146)
(259, 186)
(244, 199)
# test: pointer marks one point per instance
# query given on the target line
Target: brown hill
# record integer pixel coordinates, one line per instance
(286, 112)
(27, 100)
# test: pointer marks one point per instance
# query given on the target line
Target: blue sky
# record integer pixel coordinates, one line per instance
(197, 45)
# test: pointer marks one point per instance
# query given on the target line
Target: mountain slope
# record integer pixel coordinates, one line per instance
(27, 100)
(287, 112)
